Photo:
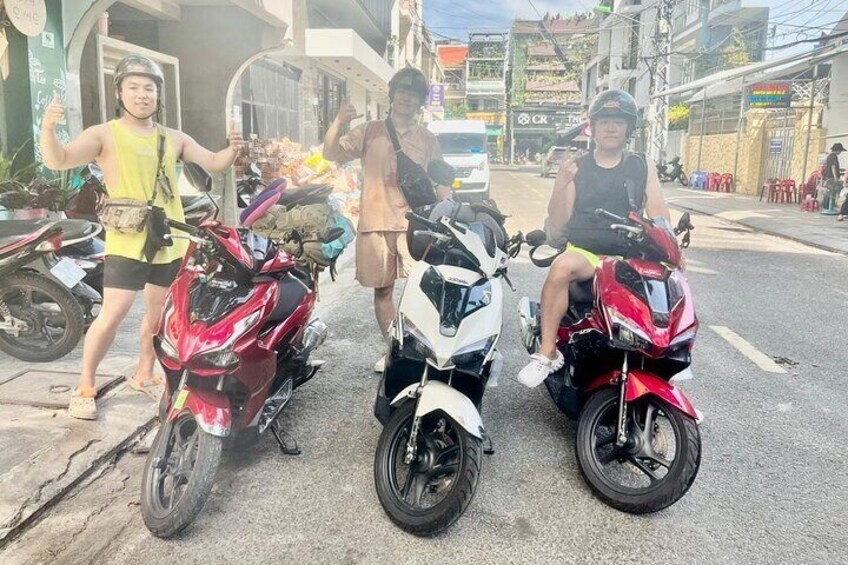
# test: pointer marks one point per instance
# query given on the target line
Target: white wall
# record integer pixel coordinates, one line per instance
(836, 114)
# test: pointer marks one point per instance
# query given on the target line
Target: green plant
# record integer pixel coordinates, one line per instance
(21, 186)
(678, 116)
(456, 111)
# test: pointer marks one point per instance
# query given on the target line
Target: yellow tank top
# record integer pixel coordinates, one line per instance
(137, 160)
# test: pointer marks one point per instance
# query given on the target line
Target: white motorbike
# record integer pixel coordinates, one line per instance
(442, 358)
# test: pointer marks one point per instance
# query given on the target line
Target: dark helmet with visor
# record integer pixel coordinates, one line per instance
(615, 104)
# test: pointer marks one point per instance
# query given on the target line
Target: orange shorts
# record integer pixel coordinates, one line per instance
(382, 257)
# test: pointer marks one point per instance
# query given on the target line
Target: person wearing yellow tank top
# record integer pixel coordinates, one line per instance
(127, 151)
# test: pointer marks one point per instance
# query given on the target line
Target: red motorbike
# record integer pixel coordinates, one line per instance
(627, 338)
(235, 340)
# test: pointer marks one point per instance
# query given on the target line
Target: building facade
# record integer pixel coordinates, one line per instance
(485, 87)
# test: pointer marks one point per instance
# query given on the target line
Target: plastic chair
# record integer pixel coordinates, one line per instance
(698, 180)
(788, 191)
(769, 188)
(713, 182)
(726, 183)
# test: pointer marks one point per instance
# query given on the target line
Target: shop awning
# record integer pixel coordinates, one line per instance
(343, 51)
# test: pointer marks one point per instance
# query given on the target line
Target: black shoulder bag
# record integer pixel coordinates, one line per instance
(413, 180)
(157, 226)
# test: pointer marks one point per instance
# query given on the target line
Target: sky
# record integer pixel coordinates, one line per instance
(794, 19)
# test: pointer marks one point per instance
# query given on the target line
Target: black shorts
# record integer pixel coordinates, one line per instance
(129, 274)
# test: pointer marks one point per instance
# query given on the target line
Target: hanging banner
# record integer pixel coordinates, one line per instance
(774, 94)
(28, 16)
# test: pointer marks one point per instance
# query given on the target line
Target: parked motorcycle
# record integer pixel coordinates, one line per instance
(41, 316)
(443, 356)
(235, 339)
(676, 173)
(627, 339)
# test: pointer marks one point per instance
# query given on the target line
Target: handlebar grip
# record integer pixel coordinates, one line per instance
(601, 213)
(412, 216)
(182, 227)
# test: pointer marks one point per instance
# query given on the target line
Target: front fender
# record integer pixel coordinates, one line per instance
(436, 395)
(211, 410)
(640, 383)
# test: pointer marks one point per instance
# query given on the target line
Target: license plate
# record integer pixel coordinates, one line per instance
(68, 272)
(457, 184)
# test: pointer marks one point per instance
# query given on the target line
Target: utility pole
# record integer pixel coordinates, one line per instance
(660, 77)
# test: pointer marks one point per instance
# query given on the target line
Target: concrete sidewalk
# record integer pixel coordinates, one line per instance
(782, 220)
(44, 452)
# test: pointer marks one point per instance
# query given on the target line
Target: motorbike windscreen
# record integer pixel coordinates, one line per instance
(453, 301)
(653, 292)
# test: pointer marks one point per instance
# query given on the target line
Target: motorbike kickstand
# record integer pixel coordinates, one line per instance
(489, 448)
(280, 435)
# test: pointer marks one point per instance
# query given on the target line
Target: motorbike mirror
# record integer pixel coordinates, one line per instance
(332, 234)
(536, 238)
(198, 177)
(685, 222)
(441, 173)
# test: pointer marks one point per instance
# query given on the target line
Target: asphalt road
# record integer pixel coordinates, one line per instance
(772, 487)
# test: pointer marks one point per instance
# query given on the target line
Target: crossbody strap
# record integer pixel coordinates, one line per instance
(393, 134)
(160, 164)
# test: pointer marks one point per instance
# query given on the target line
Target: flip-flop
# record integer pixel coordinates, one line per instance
(83, 407)
(152, 387)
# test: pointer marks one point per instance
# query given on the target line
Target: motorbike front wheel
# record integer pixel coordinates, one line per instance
(178, 475)
(53, 317)
(684, 180)
(653, 469)
(428, 495)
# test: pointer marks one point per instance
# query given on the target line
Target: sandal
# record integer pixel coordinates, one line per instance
(82, 404)
(151, 387)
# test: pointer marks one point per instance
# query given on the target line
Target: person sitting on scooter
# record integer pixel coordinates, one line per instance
(609, 178)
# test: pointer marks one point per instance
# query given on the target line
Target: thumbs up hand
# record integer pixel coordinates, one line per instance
(54, 114)
(237, 143)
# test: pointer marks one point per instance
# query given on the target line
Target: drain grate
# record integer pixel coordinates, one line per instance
(48, 389)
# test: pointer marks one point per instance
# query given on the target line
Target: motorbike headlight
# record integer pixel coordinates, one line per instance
(415, 344)
(471, 358)
(166, 342)
(687, 336)
(167, 348)
(625, 334)
(223, 357)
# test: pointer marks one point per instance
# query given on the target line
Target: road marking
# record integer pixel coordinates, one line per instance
(762, 360)
(699, 270)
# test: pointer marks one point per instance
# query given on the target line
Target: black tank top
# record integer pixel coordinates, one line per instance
(597, 187)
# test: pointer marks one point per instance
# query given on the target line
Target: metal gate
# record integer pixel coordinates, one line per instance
(779, 146)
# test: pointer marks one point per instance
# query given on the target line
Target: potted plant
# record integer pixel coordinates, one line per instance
(24, 193)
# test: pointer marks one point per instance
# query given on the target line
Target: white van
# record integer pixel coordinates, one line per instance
(463, 145)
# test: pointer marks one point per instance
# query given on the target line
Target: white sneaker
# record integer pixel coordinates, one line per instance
(380, 366)
(538, 369)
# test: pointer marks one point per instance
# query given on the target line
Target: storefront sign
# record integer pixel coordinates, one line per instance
(28, 16)
(776, 94)
(436, 97)
(776, 145)
(540, 119)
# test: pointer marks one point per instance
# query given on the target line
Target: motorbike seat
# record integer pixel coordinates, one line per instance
(309, 194)
(581, 293)
(290, 295)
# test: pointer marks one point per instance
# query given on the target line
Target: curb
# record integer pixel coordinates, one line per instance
(762, 230)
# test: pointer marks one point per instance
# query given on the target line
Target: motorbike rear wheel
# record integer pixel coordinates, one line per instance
(429, 495)
(178, 475)
(684, 180)
(651, 471)
(54, 317)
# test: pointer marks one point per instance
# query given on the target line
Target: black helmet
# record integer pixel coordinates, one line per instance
(410, 79)
(614, 104)
(138, 65)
